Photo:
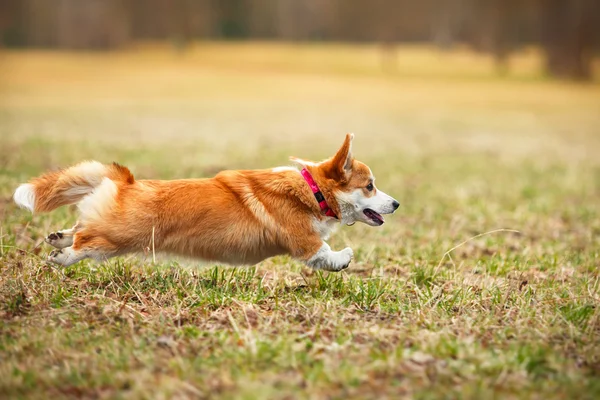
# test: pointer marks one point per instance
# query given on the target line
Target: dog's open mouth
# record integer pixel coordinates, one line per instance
(373, 216)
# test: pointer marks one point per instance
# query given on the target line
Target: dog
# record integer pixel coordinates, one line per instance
(238, 217)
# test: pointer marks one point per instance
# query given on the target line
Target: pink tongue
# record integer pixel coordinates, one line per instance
(373, 215)
(379, 217)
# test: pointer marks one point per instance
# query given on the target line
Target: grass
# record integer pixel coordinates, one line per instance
(511, 315)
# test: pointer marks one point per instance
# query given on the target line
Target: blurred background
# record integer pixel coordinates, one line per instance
(475, 114)
(567, 31)
(445, 97)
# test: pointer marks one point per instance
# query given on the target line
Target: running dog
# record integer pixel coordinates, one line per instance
(237, 217)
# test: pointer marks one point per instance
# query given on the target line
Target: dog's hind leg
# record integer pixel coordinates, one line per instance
(64, 238)
(66, 256)
(89, 238)
(84, 246)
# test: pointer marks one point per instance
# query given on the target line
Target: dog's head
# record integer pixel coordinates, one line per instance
(351, 184)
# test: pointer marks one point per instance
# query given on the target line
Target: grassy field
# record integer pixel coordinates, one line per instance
(504, 315)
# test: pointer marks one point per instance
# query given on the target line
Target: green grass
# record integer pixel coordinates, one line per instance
(505, 315)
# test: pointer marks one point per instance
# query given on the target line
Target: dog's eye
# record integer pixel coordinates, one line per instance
(370, 187)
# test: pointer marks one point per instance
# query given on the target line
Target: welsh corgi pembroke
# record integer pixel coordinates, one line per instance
(237, 217)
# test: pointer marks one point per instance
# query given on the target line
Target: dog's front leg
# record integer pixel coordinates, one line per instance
(329, 260)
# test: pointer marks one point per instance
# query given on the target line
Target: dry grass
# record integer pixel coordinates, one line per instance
(506, 315)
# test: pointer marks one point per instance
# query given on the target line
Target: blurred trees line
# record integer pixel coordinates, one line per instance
(567, 30)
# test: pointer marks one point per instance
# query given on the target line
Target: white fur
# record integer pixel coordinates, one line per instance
(97, 203)
(25, 196)
(325, 227)
(60, 243)
(329, 260)
(91, 171)
(353, 204)
(55, 240)
(77, 191)
(69, 256)
(381, 202)
(66, 256)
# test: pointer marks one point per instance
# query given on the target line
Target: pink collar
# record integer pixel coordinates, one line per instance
(318, 195)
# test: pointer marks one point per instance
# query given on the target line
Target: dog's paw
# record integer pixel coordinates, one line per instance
(59, 240)
(341, 260)
(66, 256)
(55, 256)
(348, 255)
(62, 257)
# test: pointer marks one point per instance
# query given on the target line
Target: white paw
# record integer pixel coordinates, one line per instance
(64, 257)
(59, 240)
(340, 260)
(55, 256)
(328, 260)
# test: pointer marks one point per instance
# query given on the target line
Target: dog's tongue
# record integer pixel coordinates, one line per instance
(375, 217)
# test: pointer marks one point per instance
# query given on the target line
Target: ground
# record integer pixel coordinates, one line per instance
(422, 312)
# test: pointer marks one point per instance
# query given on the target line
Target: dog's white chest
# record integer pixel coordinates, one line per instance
(325, 227)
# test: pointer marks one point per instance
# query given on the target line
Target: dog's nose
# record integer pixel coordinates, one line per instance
(395, 204)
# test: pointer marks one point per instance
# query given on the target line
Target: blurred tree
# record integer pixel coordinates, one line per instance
(149, 19)
(179, 22)
(232, 18)
(91, 24)
(11, 29)
(40, 20)
(569, 28)
(383, 24)
(446, 21)
(262, 19)
(500, 32)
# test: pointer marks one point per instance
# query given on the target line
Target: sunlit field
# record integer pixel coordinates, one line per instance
(426, 310)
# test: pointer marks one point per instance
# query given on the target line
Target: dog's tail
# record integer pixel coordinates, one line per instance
(68, 186)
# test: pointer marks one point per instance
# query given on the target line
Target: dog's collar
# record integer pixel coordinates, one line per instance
(325, 209)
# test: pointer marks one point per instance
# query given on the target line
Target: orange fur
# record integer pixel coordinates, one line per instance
(55, 189)
(237, 217)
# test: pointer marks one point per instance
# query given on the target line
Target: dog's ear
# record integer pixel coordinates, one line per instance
(340, 165)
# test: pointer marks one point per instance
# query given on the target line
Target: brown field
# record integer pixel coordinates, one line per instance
(511, 315)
